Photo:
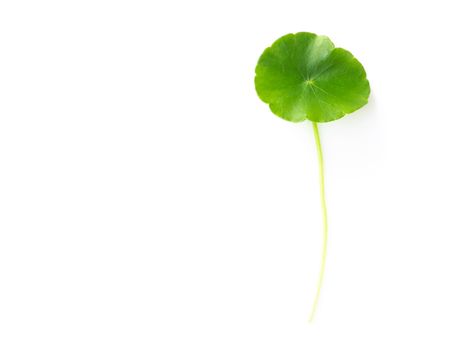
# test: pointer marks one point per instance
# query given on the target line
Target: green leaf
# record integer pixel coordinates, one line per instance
(303, 76)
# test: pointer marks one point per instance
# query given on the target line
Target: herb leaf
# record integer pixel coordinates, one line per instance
(303, 76)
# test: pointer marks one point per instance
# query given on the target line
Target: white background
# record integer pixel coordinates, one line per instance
(149, 200)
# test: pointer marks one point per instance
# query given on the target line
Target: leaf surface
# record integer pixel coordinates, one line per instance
(303, 76)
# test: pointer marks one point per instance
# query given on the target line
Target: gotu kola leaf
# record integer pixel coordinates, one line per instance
(303, 76)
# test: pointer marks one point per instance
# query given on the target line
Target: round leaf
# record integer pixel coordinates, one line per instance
(303, 76)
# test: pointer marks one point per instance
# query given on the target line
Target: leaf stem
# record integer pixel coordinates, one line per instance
(321, 173)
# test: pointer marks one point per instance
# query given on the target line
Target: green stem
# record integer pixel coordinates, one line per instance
(321, 173)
